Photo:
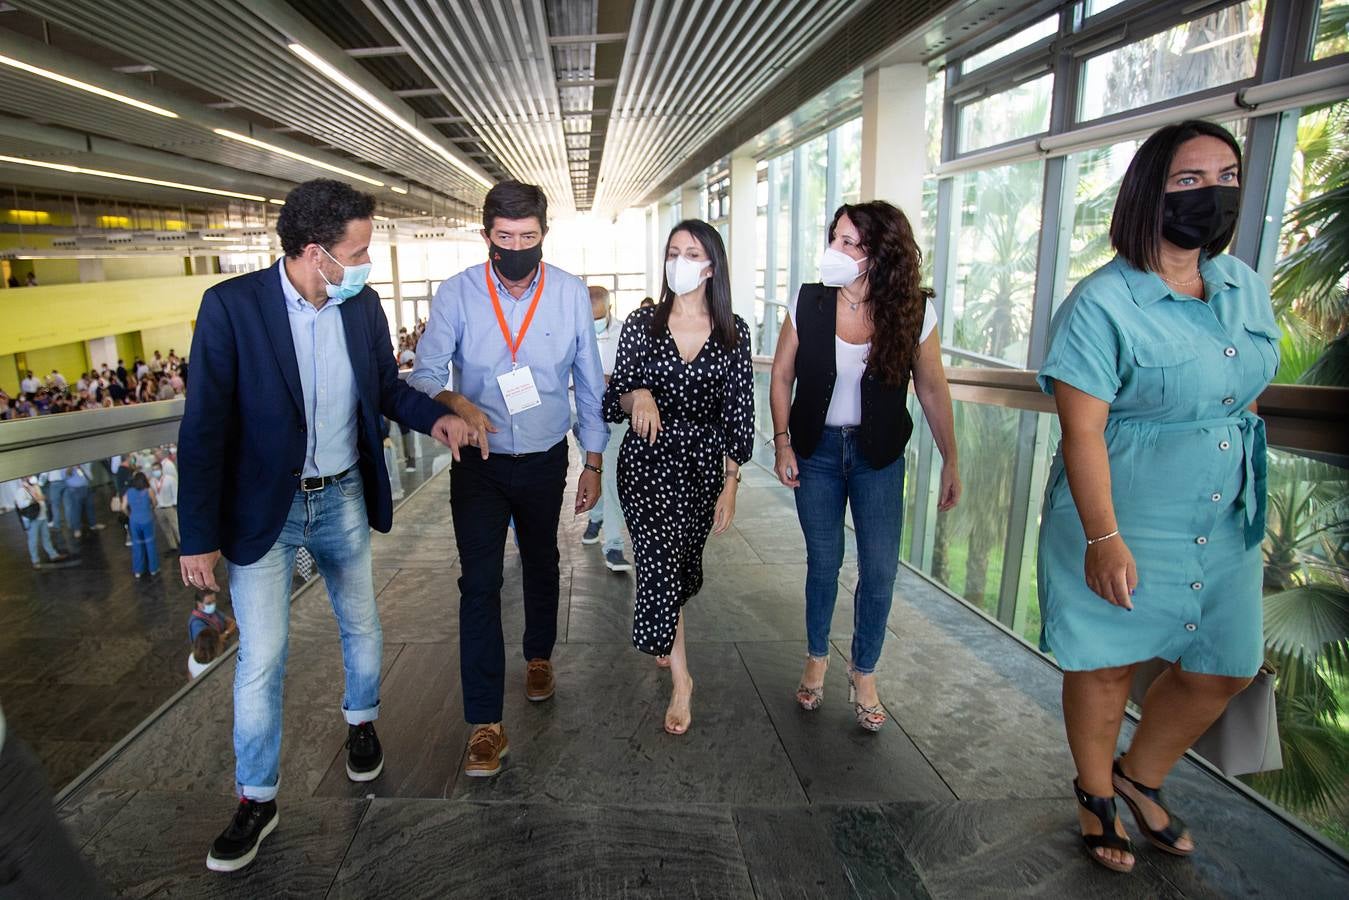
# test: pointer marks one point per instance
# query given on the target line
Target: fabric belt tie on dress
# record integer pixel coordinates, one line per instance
(1255, 465)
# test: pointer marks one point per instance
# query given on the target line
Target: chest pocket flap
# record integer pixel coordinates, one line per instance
(1164, 353)
(1265, 331)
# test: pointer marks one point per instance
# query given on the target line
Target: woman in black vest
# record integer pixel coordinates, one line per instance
(850, 346)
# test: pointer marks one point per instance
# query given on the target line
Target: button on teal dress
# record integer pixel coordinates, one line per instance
(1187, 468)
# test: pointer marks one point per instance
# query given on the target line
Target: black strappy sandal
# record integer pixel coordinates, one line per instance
(1163, 838)
(1103, 808)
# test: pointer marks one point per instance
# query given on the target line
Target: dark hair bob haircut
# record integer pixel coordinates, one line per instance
(1136, 223)
(894, 286)
(317, 212)
(515, 200)
(718, 286)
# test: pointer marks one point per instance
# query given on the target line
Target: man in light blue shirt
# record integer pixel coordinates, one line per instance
(513, 328)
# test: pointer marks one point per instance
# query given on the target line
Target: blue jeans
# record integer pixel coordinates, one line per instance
(331, 524)
(144, 553)
(79, 507)
(609, 510)
(39, 533)
(834, 476)
(56, 492)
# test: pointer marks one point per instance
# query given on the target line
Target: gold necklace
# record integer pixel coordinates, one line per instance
(1196, 277)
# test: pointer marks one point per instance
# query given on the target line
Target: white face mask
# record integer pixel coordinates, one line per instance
(684, 274)
(838, 269)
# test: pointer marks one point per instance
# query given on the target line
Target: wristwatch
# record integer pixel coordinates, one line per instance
(596, 469)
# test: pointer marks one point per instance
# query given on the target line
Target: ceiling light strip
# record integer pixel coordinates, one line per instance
(86, 86)
(309, 160)
(118, 176)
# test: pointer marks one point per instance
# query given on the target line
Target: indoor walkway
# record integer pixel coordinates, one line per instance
(965, 793)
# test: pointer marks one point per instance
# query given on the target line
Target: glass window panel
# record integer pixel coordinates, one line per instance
(1310, 282)
(995, 239)
(1014, 113)
(810, 239)
(1332, 29)
(1023, 38)
(1203, 53)
(936, 98)
(1096, 6)
(850, 162)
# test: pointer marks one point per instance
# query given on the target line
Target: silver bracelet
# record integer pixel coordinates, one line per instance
(1104, 537)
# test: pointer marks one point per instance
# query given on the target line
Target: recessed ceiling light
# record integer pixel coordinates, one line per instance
(86, 86)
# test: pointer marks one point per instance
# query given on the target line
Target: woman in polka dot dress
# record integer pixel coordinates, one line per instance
(685, 379)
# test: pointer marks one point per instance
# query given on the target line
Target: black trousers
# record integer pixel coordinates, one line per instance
(37, 859)
(484, 496)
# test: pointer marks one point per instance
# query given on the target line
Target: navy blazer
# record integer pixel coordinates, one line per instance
(241, 445)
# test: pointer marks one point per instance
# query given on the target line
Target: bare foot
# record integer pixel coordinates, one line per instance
(679, 714)
(1092, 825)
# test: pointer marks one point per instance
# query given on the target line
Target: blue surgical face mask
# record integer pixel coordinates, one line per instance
(157, 472)
(601, 326)
(208, 608)
(353, 279)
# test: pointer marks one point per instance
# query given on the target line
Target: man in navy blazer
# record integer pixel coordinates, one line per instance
(280, 448)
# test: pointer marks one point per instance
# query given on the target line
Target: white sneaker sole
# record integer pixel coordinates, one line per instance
(365, 776)
(234, 865)
(480, 773)
(618, 567)
(590, 542)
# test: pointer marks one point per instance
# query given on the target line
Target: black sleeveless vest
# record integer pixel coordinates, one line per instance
(886, 423)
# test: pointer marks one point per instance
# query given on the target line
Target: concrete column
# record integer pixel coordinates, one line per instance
(102, 350)
(91, 270)
(691, 201)
(894, 145)
(397, 290)
(742, 249)
(655, 247)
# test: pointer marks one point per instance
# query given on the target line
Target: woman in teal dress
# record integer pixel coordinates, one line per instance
(1154, 513)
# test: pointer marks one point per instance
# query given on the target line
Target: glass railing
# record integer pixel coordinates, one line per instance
(94, 618)
(983, 552)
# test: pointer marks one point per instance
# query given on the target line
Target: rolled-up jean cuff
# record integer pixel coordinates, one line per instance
(857, 671)
(823, 654)
(259, 794)
(361, 716)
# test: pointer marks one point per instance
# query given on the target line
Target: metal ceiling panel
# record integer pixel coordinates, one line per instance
(238, 49)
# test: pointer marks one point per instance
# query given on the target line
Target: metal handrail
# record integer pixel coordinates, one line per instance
(1299, 417)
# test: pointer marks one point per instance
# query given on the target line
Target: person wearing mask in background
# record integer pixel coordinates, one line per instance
(139, 505)
(29, 385)
(165, 486)
(79, 501)
(849, 347)
(608, 513)
(31, 507)
(38, 861)
(279, 451)
(515, 331)
(206, 614)
(685, 379)
(1154, 511)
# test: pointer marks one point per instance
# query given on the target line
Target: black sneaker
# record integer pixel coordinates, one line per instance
(238, 844)
(365, 758)
(592, 533)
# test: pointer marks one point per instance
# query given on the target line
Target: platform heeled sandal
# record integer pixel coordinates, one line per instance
(870, 718)
(810, 698)
(1103, 808)
(1164, 838)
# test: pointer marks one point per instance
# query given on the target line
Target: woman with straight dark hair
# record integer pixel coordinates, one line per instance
(850, 346)
(684, 378)
(1155, 508)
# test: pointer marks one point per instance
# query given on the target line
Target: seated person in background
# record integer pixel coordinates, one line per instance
(205, 648)
(205, 615)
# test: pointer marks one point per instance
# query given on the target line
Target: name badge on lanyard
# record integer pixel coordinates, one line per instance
(517, 385)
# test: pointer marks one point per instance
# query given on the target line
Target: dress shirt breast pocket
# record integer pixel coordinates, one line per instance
(1264, 341)
(1164, 367)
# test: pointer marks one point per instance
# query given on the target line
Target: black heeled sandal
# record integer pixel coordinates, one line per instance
(1164, 838)
(1103, 808)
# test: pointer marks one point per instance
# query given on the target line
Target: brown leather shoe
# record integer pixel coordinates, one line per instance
(539, 682)
(485, 749)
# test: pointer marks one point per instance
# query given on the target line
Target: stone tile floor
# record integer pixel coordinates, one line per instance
(965, 793)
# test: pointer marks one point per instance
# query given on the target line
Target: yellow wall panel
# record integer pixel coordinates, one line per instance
(68, 359)
(176, 337)
(9, 374)
(49, 315)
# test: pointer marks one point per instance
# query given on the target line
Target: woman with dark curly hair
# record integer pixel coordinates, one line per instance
(850, 346)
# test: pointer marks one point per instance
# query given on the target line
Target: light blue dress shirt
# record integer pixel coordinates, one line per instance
(326, 381)
(464, 338)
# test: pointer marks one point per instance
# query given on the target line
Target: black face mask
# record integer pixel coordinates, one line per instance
(515, 264)
(1192, 219)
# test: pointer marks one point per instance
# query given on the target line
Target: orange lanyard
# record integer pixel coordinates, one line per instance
(513, 345)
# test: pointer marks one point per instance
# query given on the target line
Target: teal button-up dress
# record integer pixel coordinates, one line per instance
(1187, 468)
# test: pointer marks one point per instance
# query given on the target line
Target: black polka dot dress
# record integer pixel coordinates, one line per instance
(669, 491)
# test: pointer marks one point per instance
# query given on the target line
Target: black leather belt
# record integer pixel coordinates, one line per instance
(319, 482)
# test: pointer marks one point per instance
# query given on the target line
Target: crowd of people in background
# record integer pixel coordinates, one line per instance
(159, 378)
